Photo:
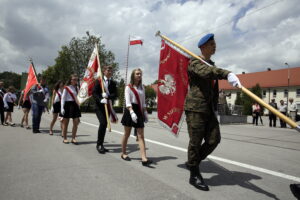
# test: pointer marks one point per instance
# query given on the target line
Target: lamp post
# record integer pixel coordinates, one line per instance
(288, 90)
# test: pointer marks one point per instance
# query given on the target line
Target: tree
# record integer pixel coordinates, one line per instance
(121, 91)
(11, 78)
(247, 102)
(150, 95)
(73, 59)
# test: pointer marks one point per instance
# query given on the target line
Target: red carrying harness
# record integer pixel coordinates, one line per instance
(71, 93)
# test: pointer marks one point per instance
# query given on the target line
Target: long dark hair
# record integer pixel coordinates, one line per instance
(57, 84)
(72, 76)
(132, 77)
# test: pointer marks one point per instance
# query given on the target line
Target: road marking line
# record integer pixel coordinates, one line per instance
(259, 169)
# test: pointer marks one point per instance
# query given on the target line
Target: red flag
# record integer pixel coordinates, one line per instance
(88, 82)
(172, 87)
(135, 40)
(31, 81)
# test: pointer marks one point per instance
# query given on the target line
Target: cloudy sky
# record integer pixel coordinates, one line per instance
(251, 35)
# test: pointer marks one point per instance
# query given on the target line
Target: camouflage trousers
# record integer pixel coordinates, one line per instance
(201, 126)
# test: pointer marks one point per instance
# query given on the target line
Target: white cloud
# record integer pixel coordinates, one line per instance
(264, 38)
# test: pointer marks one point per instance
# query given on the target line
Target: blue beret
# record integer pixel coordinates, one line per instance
(204, 39)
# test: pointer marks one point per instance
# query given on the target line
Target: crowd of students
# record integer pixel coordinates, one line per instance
(65, 106)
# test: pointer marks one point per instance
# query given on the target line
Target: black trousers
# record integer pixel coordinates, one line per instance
(102, 127)
(272, 118)
(2, 111)
(282, 123)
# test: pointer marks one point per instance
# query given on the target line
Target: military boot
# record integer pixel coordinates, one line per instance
(196, 179)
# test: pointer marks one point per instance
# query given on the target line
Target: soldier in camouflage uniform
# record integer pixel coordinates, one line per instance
(200, 108)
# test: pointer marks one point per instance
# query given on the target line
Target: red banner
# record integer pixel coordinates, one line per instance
(31, 81)
(172, 87)
(88, 82)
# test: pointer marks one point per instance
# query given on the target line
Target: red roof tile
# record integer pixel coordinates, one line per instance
(266, 79)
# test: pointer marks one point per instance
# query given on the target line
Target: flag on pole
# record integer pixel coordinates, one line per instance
(172, 87)
(90, 75)
(31, 81)
(135, 40)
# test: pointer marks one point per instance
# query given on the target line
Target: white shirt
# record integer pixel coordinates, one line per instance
(9, 98)
(282, 108)
(130, 97)
(66, 96)
(57, 99)
(293, 107)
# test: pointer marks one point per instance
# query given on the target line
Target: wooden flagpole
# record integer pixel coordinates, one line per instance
(245, 90)
(103, 90)
(126, 71)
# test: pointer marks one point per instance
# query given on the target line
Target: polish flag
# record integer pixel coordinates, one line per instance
(135, 40)
(31, 81)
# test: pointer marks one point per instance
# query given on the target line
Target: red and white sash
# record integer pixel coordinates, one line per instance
(72, 94)
(137, 97)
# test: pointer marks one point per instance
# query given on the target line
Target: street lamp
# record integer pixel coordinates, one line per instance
(287, 98)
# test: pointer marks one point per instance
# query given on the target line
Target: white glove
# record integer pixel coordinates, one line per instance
(133, 116)
(234, 80)
(6, 107)
(104, 95)
(103, 101)
(51, 110)
(146, 116)
(62, 111)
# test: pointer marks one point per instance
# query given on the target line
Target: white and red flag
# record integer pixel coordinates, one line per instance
(135, 40)
(90, 75)
(31, 81)
(172, 87)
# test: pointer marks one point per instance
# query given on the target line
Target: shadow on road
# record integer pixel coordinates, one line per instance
(227, 177)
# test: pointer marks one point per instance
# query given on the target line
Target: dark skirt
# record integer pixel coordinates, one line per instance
(127, 121)
(26, 104)
(56, 107)
(10, 107)
(71, 110)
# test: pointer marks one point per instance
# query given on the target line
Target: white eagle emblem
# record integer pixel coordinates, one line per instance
(168, 85)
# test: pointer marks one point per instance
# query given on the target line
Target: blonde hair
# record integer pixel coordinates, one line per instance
(132, 76)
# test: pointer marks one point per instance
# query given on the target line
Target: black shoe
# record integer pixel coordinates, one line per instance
(196, 179)
(125, 158)
(295, 188)
(147, 162)
(101, 149)
(36, 131)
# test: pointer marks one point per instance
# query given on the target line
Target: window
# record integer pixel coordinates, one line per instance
(286, 92)
(264, 93)
(274, 93)
(298, 92)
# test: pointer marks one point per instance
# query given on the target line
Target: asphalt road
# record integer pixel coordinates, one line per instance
(252, 162)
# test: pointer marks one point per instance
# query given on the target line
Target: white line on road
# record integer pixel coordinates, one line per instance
(259, 169)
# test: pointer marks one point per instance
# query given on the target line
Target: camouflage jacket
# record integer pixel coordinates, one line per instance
(203, 94)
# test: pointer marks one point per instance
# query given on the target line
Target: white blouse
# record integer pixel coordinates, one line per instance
(57, 99)
(9, 98)
(130, 97)
(66, 96)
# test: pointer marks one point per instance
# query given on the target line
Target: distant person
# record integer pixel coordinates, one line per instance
(135, 115)
(70, 108)
(222, 102)
(26, 106)
(272, 117)
(255, 113)
(283, 109)
(293, 109)
(2, 93)
(39, 96)
(56, 103)
(9, 102)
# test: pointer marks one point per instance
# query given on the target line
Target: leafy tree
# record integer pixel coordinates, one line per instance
(121, 91)
(73, 59)
(11, 78)
(150, 95)
(246, 101)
